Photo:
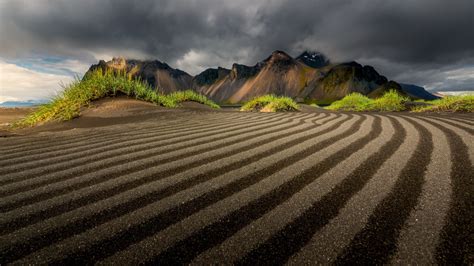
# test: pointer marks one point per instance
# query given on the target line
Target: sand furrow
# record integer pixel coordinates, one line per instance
(318, 222)
(466, 137)
(419, 238)
(456, 242)
(43, 140)
(242, 188)
(76, 175)
(175, 141)
(464, 121)
(36, 212)
(319, 180)
(219, 221)
(93, 145)
(376, 242)
(193, 197)
(467, 128)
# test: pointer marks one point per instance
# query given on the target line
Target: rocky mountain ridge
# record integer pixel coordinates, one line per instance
(309, 77)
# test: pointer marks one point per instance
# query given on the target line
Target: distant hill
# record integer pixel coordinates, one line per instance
(418, 92)
(310, 76)
(29, 103)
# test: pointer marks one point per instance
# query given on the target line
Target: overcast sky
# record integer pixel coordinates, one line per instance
(425, 42)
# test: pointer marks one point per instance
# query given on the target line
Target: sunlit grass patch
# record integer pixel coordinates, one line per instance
(271, 103)
(390, 101)
(352, 102)
(461, 103)
(189, 95)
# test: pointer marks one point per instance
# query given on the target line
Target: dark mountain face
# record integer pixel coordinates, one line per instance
(243, 72)
(158, 74)
(346, 78)
(417, 92)
(313, 59)
(210, 75)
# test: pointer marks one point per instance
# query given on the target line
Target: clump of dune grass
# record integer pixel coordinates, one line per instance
(98, 84)
(271, 103)
(390, 101)
(351, 102)
(189, 95)
(461, 103)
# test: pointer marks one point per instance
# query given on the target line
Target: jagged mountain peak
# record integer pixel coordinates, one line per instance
(210, 75)
(278, 56)
(278, 61)
(313, 59)
(240, 71)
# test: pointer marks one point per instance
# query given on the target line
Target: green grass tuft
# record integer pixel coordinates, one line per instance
(189, 95)
(390, 101)
(462, 103)
(352, 102)
(99, 84)
(271, 103)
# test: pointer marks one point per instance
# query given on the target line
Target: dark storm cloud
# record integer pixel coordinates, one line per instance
(419, 36)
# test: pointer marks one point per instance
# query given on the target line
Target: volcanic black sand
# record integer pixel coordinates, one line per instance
(132, 183)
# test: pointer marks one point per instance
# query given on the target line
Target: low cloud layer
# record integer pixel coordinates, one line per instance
(422, 42)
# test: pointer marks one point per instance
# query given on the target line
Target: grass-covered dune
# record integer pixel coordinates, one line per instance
(392, 101)
(271, 103)
(462, 103)
(99, 84)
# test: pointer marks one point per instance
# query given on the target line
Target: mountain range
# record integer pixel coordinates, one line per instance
(28, 103)
(309, 77)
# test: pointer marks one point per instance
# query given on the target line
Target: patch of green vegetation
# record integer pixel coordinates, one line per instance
(352, 102)
(189, 95)
(270, 103)
(462, 103)
(390, 101)
(99, 84)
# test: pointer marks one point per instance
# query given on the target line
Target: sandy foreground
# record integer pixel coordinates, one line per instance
(131, 183)
(8, 115)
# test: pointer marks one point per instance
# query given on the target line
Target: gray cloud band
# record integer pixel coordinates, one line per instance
(417, 36)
